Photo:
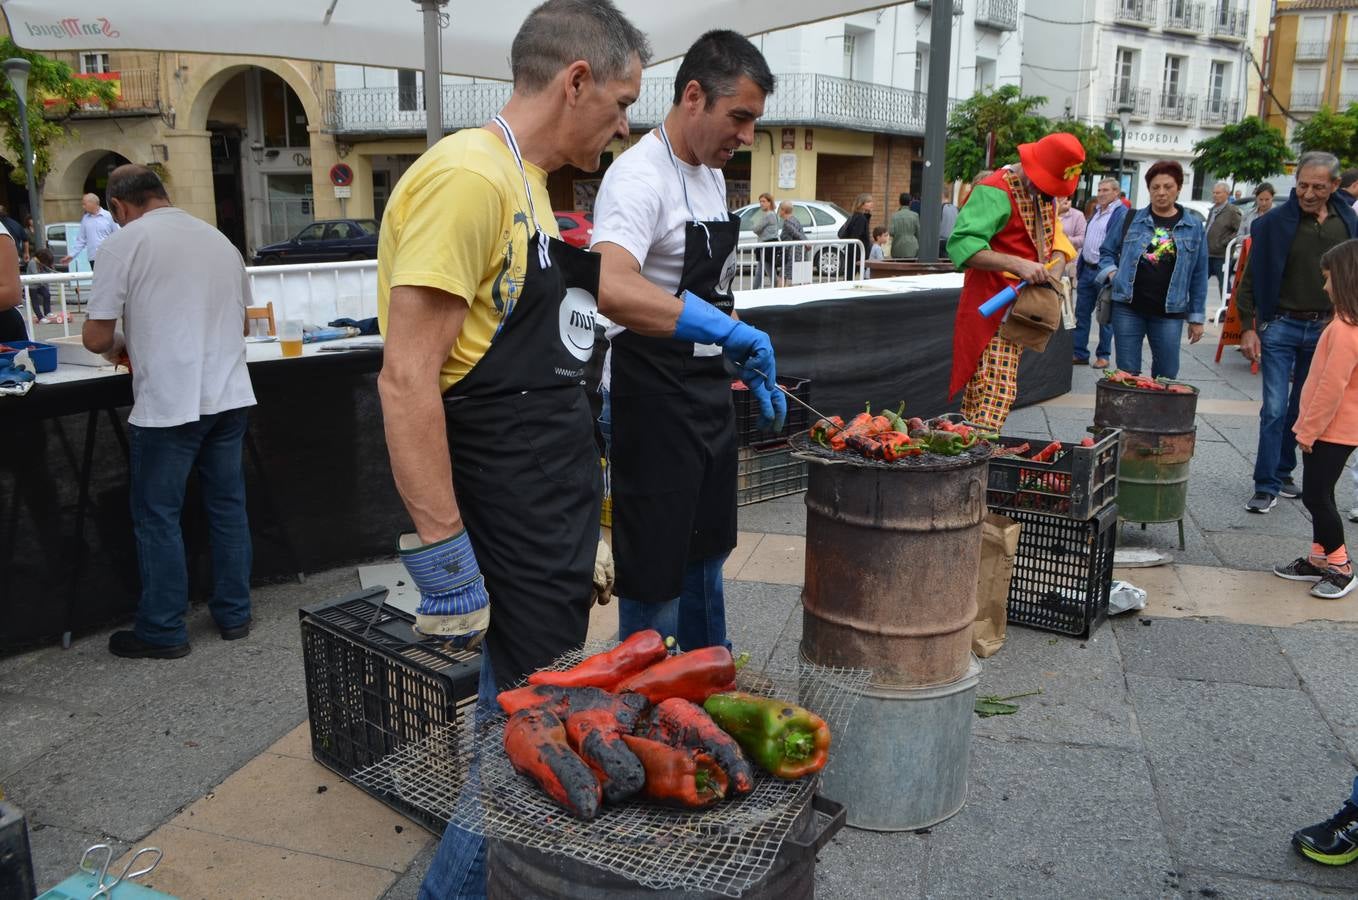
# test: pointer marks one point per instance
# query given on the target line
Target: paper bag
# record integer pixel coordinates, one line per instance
(999, 546)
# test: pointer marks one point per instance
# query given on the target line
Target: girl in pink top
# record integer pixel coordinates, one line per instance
(1327, 430)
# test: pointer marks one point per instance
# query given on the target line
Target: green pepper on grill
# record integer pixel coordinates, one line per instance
(786, 740)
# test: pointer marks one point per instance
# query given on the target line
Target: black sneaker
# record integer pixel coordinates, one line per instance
(1333, 842)
(127, 645)
(1334, 585)
(1300, 569)
(1289, 489)
(1261, 502)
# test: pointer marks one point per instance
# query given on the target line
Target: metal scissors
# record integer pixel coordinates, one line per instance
(88, 861)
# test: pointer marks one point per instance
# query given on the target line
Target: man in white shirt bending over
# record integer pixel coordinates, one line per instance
(184, 331)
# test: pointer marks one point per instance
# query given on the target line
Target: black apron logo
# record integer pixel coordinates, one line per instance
(576, 322)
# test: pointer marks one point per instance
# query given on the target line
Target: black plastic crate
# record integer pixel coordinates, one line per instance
(1062, 571)
(748, 432)
(1080, 483)
(766, 471)
(16, 857)
(373, 686)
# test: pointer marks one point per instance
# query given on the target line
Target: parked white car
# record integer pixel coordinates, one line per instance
(820, 220)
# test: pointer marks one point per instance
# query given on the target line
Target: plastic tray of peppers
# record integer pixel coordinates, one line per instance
(1070, 479)
(639, 721)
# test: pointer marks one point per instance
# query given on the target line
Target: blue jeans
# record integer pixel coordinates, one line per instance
(1131, 328)
(161, 460)
(1286, 347)
(1086, 295)
(458, 870)
(696, 618)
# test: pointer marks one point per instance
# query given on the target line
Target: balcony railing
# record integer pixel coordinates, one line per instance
(138, 93)
(1229, 24)
(1312, 49)
(1139, 99)
(1350, 50)
(1183, 16)
(1000, 15)
(801, 99)
(1347, 99)
(1217, 112)
(1308, 101)
(1134, 12)
(928, 4)
(1176, 108)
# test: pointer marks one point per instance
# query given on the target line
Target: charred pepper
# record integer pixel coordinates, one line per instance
(535, 742)
(786, 740)
(680, 723)
(596, 735)
(678, 776)
(606, 670)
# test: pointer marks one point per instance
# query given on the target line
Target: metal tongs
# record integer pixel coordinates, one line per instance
(102, 889)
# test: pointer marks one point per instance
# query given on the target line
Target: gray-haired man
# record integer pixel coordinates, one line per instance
(1108, 215)
(1222, 224)
(1283, 309)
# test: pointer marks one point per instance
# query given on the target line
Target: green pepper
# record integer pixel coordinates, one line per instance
(946, 443)
(786, 740)
(897, 423)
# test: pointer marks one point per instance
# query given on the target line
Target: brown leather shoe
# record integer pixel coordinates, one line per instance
(1100, 364)
(1076, 361)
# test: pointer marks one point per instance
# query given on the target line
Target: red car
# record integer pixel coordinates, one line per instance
(576, 227)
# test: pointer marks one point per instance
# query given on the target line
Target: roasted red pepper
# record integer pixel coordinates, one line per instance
(678, 776)
(879, 425)
(596, 735)
(865, 445)
(786, 740)
(829, 432)
(896, 445)
(562, 701)
(606, 670)
(695, 675)
(1047, 453)
(535, 742)
(680, 723)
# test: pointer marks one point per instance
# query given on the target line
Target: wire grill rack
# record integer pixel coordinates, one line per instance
(725, 849)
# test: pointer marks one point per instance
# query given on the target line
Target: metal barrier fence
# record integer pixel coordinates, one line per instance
(313, 292)
(1227, 274)
(783, 263)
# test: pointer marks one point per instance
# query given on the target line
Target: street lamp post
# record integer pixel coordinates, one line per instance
(16, 70)
(1124, 118)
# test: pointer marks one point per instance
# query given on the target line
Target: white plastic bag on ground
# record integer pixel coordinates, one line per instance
(1124, 597)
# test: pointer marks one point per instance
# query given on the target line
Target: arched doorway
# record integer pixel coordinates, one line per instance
(96, 181)
(261, 157)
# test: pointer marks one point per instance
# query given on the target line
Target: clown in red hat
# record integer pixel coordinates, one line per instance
(1008, 230)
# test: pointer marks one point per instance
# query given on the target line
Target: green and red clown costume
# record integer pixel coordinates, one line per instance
(1002, 215)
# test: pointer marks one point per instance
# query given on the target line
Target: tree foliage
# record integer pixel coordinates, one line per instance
(1013, 119)
(49, 82)
(1250, 150)
(1329, 131)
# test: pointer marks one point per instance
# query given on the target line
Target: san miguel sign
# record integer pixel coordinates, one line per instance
(74, 28)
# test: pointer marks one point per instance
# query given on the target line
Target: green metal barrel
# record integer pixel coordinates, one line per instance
(1158, 437)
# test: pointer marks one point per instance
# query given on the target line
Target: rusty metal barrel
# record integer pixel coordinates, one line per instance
(1159, 434)
(891, 561)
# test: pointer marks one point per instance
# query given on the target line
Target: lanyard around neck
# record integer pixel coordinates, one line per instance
(544, 258)
(683, 183)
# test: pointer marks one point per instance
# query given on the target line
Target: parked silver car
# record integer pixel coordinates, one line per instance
(820, 220)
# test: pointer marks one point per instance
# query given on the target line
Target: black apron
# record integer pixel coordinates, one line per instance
(525, 466)
(673, 461)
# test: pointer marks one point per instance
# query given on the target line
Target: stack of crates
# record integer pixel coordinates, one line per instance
(765, 467)
(1068, 512)
(374, 685)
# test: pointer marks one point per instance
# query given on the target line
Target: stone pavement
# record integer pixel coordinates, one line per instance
(1169, 755)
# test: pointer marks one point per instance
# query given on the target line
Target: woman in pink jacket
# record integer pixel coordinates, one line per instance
(1327, 430)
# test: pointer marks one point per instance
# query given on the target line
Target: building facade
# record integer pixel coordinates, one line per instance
(1312, 61)
(249, 143)
(1178, 70)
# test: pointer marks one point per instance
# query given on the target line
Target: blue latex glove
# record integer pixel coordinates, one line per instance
(748, 348)
(453, 599)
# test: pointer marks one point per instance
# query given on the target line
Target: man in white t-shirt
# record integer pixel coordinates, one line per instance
(662, 224)
(183, 330)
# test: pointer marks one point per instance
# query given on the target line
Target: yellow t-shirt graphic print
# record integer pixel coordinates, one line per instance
(459, 221)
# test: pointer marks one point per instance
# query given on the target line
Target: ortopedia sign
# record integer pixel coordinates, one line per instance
(341, 175)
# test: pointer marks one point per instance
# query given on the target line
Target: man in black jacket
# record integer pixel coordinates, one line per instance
(1283, 309)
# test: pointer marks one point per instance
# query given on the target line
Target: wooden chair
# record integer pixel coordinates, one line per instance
(262, 312)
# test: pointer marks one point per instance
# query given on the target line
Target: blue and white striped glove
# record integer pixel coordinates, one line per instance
(453, 601)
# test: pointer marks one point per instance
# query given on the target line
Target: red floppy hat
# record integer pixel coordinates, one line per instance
(1053, 163)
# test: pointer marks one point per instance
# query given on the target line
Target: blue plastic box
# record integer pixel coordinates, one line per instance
(44, 356)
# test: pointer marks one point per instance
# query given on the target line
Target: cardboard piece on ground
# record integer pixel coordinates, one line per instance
(999, 546)
(393, 576)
